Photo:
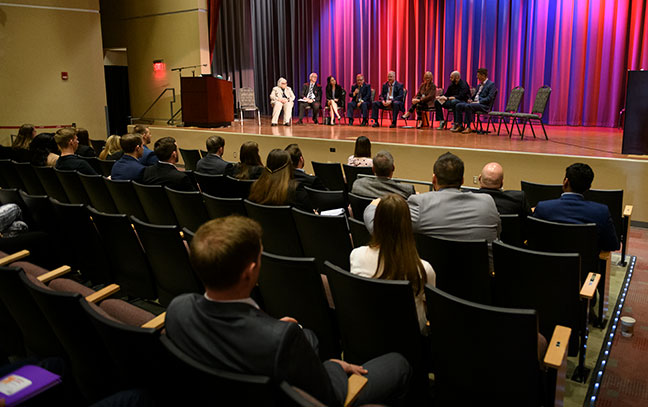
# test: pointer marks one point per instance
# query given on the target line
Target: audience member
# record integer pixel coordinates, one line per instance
(360, 99)
(383, 168)
(362, 153)
(423, 99)
(84, 150)
(457, 92)
(112, 150)
(572, 207)
(447, 212)
(11, 223)
(44, 151)
(307, 180)
(20, 146)
(225, 328)
(464, 112)
(335, 95)
(282, 98)
(250, 166)
(164, 172)
(277, 185)
(148, 157)
(391, 98)
(213, 162)
(128, 167)
(392, 254)
(311, 96)
(67, 142)
(491, 181)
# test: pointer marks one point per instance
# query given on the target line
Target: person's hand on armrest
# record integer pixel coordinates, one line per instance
(350, 368)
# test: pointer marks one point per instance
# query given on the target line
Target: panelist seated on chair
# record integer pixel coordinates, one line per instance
(311, 96)
(464, 112)
(360, 99)
(491, 181)
(383, 168)
(225, 328)
(282, 98)
(164, 172)
(424, 98)
(67, 141)
(392, 97)
(129, 167)
(335, 95)
(457, 92)
(213, 162)
(572, 207)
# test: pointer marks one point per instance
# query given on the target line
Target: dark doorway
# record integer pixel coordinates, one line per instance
(118, 98)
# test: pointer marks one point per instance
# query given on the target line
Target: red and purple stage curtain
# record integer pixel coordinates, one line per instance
(581, 49)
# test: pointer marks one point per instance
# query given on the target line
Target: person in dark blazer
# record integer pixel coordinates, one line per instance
(464, 112)
(311, 95)
(572, 207)
(335, 95)
(491, 181)
(128, 167)
(457, 92)
(213, 162)
(360, 99)
(164, 172)
(225, 329)
(392, 97)
(148, 157)
(305, 179)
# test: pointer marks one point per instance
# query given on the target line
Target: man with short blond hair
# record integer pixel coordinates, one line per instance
(67, 141)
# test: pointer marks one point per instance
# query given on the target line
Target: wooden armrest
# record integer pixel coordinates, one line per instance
(103, 293)
(605, 256)
(356, 383)
(627, 211)
(590, 285)
(56, 273)
(182, 234)
(557, 349)
(156, 323)
(8, 259)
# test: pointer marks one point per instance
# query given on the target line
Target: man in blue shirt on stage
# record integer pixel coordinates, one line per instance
(464, 112)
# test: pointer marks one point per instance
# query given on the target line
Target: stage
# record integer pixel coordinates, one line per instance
(415, 150)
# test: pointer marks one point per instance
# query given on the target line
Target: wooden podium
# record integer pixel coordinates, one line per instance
(206, 101)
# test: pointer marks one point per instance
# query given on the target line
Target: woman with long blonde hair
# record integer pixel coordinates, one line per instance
(392, 254)
(112, 147)
(276, 185)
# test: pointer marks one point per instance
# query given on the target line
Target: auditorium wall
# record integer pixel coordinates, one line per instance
(172, 30)
(39, 39)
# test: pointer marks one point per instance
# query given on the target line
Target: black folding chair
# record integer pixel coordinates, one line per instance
(97, 192)
(220, 207)
(106, 167)
(324, 237)
(358, 205)
(280, 234)
(155, 204)
(10, 174)
(359, 233)
(188, 207)
(325, 200)
(351, 173)
(125, 198)
(512, 229)
(330, 174)
(73, 187)
(237, 188)
(512, 106)
(29, 178)
(213, 185)
(535, 192)
(51, 183)
(293, 286)
(190, 158)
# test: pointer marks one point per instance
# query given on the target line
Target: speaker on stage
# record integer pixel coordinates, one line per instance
(635, 129)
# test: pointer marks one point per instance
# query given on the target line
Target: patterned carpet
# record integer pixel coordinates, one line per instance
(625, 381)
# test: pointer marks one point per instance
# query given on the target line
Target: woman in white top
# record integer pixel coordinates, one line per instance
(392, 254)
(362, 153)
(282, 98)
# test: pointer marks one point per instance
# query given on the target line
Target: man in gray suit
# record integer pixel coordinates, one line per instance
(383, 168)
(447, 212)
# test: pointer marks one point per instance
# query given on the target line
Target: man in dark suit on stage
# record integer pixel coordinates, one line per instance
(572, 207)
(307, 180)
(311, 95)
(164, 172)
(360, 99)
(464, 112)
(213, 162)
(391, 98)
(491, 181)
(224, 328)
(457, 92)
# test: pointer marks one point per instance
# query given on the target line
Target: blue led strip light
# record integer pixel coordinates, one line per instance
(597, 373)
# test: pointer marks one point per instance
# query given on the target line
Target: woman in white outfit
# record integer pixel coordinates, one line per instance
(392, 255)
(282, 98)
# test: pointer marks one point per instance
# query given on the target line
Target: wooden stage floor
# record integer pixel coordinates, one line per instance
(563, 140)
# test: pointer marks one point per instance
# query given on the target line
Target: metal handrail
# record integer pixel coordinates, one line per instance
(173, 100)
